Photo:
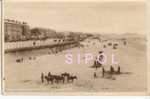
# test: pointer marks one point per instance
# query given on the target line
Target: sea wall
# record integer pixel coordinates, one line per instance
(35, 44)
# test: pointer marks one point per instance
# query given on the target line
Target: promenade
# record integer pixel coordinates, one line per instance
(35, 44)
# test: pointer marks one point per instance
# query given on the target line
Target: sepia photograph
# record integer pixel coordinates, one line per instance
(76, 47)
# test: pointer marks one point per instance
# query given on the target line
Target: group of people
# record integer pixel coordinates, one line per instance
(62, 78)
(110, 72)
(99, 65)
(19, 60)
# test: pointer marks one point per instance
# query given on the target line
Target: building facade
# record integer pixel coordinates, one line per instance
(41, 33)
(15, 30)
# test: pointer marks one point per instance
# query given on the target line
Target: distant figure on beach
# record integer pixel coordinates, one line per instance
(124, 42)
(111, 69)
(114, 47)
(95, 64)
(30, 58)
(100, 52)
(104, 46)
(118, 70)
(19, 60)
(34, 58)
(42, 77)
(95, 76)
(49, 52)
(22, 59)
(34, 43)
(103, 72)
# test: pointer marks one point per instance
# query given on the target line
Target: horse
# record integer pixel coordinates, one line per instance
(49, 74)
(65, 74)
(49, 79)
(57, 78)
(71, 78)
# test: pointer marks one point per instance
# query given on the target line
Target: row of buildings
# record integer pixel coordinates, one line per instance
(15, 30)
(21, 31)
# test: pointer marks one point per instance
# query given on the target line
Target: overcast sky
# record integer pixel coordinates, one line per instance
(101, 17)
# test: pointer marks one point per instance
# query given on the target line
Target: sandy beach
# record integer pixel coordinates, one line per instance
(131, 58)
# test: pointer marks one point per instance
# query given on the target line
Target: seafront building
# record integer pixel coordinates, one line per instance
(42, 33)
(16, 30)
(21, 31)
(19, 36)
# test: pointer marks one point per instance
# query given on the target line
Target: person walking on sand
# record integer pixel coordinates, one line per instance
(42, 77)
(111, 69)
(103, 72)
(118, 70)
(95, 75)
